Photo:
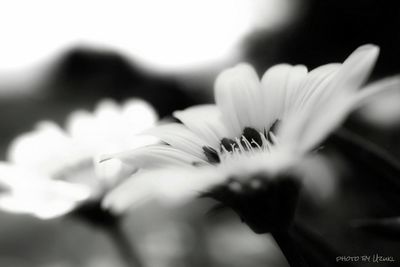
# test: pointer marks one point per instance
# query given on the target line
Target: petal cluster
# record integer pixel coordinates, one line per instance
(265, 124)
(50, 170)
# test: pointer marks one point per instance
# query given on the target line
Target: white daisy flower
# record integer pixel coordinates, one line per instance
(256, 130)
(50, 171)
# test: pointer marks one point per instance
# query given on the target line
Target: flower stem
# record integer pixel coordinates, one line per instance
(94, 215)
(125, 247)
(289, 248)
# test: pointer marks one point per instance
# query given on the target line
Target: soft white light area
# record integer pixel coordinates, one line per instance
(163, 34)
(111, 127)
(51, 170)
(30, 193)
(45, 150)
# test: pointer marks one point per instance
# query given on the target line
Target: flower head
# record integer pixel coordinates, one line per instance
(51, 171)
(253, 136)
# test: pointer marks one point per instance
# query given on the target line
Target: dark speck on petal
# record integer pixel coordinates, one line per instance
(211, 154)
(229, 144)
(274, 126)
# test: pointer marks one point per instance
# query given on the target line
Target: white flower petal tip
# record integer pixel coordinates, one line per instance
(361, 62)
(368, 49)
(242, 68)
(364, 55)
(236, 90)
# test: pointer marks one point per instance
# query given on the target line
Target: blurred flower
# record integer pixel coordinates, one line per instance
(51, 171)
(383, 111)
(246, 143)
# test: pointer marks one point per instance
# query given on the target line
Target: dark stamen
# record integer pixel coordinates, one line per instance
(228, 144)
(211, 154)
(252, 135)
(273, 129)
(275, 126)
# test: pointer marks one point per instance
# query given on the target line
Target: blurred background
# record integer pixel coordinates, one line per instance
(59, 56)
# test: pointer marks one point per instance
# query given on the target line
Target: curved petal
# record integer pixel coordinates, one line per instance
(328, 117)
(280, 87)
(354, 71)
(170, 185)
(205, 121)
(314, 85)
(295, 78)
(310, 91)
(236, 90)
(180, 137)
(332, 101)
(155, 156)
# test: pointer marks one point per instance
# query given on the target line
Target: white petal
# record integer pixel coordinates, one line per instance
(112, 171)
(205, 121)
(49, 209)
(280, 87)
(324, 120)
(170, 185)
(139, 115)
(180, 137)
(80, 125)
(26, 192)
(331, 115)
(112, 127)
(45, 149)
(155, 156)
(106, 107)
(236, 90)
(295, 78)
(331, 103)
(354, 71)
(314, 85)
(13, 176)
(16, 178)
(309, 94)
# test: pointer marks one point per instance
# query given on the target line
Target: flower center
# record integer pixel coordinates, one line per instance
(250, 140)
